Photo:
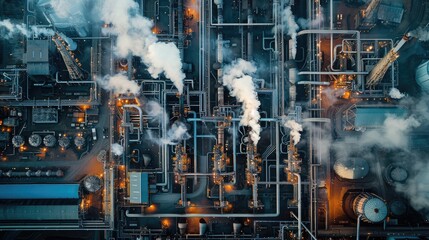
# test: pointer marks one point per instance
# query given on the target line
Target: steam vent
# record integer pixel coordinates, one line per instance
(214, 119)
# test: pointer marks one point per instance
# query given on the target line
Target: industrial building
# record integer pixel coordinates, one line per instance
(213, 119)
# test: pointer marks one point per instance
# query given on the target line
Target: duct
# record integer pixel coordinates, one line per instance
(140, 113)
(332, 73)
(249, 33)
(299, 205)
(313, 83)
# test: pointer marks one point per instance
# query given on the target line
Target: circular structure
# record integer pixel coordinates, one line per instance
(352, 168)
(79, 141)
(64, 142)
(397, 207)
(17, 141)
(101, 157)
(49, 140)
(394, 174)
(92, 183)
(372, 208)
(35, 140)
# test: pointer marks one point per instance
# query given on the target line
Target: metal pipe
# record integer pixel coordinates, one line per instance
(303, 225)
(358, 226)
(331, 73)
(299, 206)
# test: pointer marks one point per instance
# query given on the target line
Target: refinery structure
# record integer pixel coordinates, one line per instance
(214, 119)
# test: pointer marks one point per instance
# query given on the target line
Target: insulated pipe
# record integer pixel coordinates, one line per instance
(299, 206)
(358, 226)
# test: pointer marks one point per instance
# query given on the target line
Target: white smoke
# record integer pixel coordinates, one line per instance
(421, 33)
(72, 44)
(134, 35)
(295, 129)
(178, 132)
(307, 23)
(9, 29)
(396, 94)
(119, 84)
(240, 84)
(155, 110)
(289, 24)
(117, 149)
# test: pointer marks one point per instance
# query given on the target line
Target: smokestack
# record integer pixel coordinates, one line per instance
(182, 228)
(203, 226)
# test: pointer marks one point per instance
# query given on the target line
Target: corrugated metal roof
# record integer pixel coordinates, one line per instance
(37, 57)
(39, 212)
(39, 191)
(139, 188)
(390, 13)
(375, 116)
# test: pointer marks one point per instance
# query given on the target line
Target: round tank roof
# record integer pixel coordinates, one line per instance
(35, 140)
(375, 210)
(351, 168)
(17, 141)
(49, 140)
(92, 183)
(64, 142)
(398, 174)
(398, 207)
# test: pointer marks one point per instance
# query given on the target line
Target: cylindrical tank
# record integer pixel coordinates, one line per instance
(92, 183)
(351, 168)
(49, 140)
(372, 208)
(35, 140)
(79, 141)
(422, 76)
(202, 226)
(17, 141)
(64, 142)
(394, 174)
(236, 227)
(182, 227)
(397, 208)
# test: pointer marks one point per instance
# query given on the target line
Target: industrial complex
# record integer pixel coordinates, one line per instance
(214, 119)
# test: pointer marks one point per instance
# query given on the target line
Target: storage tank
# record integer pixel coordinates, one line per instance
(202, 226)
(79, 141)
(372, 208)
(394, 174)
(182, 227)
(35, 140)
(17, 141)
(351, 168)
(397, 207)
(92, 183)
(49, 140)
(64, 142)
(422, 76)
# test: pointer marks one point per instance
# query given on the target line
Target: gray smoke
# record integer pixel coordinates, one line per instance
(307, 23)
(177, 133)
(117, 149)
(9, 29)
(237, 78)
(156, 111)
(119, 84)
(421, 33)
(134, 35)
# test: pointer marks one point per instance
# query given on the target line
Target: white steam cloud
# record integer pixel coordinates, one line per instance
(307, 23)
(119, 84)
(117, 149)
(240, 84)
(9, 29)
(289, 24)
(176, 133)
(421, 33)
(396, 94)
(295, 129)
(134, 35)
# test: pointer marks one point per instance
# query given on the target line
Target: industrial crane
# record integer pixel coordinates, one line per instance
(72, 63)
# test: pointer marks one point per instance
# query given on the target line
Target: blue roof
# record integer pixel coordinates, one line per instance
(39, 191)
(139, 188)
(375, 116)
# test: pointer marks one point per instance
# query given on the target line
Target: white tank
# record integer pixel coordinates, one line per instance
(17, 141)
(372, 208)
(422, 76)
(202, 226)
(182, 227)
(35, 140)
(49, 140)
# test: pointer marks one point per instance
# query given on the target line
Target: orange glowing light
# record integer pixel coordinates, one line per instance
(80, 119)
(229, 188)
(165, 223)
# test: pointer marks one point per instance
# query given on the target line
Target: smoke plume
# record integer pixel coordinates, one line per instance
(289, 24)
(177, 133)
(396, 94)
(240, 84)
(119, 84)
(307, 23)
(135, 36)
(295, 129)
(117, 149)
(421, 33)
(156, 111)
(9, 29)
